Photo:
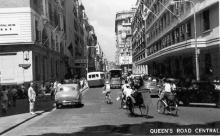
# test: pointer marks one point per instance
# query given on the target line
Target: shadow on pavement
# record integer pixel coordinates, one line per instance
(22, 106)
(146, 128)
(72, 106)
(200, 106)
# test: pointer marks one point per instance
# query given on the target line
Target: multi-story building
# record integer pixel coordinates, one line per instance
(170, 39)
(42, 40)
(76, 43)
(123, 39)
(138, 38)
(91, 48)
(32, 41)
(100, 61)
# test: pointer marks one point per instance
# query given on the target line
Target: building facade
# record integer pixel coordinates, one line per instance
(138, 38)
(44, 40)
(170, 39)
(32, 41)
(123, 39)
(76, 43)
(100, 60)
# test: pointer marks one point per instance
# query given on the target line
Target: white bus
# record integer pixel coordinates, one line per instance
(96, 79)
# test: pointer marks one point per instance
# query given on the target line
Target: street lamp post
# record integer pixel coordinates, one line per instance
(195, 35)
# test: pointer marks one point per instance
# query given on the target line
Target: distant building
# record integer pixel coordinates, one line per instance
(123, 39)
(100, 61)
(138, 38)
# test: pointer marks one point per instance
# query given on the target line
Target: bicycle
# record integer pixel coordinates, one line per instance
(139, 102)
(169, 104)
(108, 99)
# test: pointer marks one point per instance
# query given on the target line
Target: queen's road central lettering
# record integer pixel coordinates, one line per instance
(161, 131)
(183, 130)
(207, 130)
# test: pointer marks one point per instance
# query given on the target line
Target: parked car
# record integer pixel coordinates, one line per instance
(152, 87)
(68, 94)
(197, 92)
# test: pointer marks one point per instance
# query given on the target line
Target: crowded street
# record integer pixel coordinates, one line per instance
(97, 118)
(109, 67)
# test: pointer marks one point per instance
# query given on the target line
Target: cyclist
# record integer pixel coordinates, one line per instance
(127, 91)
(166, 90)
(107, 92)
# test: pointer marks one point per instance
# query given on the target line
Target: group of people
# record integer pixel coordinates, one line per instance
(129, 89)
(8, 96)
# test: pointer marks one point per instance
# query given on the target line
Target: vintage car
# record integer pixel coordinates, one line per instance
(152, 86)
(197, 92)
(68, 94)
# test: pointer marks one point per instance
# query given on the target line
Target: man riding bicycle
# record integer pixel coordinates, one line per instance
(127, 91)
(168, 87)
(107, 91)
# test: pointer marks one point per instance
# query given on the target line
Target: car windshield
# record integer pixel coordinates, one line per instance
(137, 77)
(67, 88)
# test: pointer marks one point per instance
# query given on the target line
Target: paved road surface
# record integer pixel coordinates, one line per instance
(97, 118)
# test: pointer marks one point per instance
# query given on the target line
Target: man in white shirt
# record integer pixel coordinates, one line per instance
(167, 89)
(31, 97)
(128, 91)
(107, 91)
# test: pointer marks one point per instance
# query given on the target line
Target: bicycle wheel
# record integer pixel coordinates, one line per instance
(122, 103)
(176, 109)
(160, 107)
(144, 109)
(130, 106)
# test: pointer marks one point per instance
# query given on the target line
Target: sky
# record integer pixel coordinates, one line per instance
(101, 14)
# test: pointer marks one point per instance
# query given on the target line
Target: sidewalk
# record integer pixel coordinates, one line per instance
(20, 114)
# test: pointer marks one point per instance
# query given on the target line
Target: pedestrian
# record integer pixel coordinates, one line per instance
(85, 82)
(4, 99)
(51, 90)
(43, 88)
(14, 95)
(81, 83)
(10, 96)
(31, 97)
(23, 93)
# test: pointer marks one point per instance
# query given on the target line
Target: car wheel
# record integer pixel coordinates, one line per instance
(185, 102)
(58, 106)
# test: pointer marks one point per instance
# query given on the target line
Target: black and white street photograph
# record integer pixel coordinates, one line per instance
(109, 68)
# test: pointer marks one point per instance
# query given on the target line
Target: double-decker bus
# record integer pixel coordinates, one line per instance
(115, 76)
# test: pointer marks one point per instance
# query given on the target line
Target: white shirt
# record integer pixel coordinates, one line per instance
(125, 86)
(31, 93)
(173, 86)
(167, 87)
(128, 92)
